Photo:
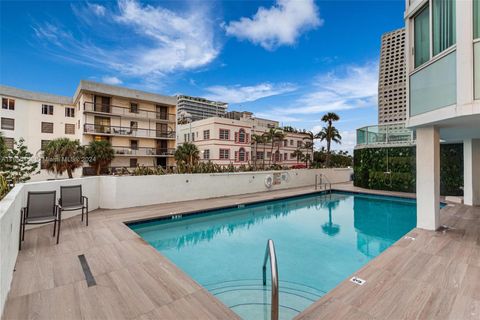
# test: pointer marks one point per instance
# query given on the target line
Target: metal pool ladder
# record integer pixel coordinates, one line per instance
(322, 176)
(270, 252)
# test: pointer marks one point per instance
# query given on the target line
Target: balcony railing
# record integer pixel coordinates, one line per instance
(127, 131)
(142, 151)
(385, 134)
(124, 111)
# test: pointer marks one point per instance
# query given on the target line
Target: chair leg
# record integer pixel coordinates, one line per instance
(59, 224)
(86, 212)
(54, 227)
(23, 232)
(20, 233)
(82, 213)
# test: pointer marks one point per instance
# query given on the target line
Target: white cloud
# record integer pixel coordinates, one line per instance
(111, 80)
(240, 94)
(278, 25)
(97, 9)
(148, 42)
(353, 87)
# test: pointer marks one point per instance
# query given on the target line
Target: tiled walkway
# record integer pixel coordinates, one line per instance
(437, 275)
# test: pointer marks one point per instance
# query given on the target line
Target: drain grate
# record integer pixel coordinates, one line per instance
(86, 271)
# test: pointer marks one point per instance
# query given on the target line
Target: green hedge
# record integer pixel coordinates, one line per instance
(370, 165)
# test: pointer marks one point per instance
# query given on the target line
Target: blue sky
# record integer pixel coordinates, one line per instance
(286, 60)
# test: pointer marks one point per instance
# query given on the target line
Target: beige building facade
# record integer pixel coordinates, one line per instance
(139, 125)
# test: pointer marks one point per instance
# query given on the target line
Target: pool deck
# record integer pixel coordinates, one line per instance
(437, 275)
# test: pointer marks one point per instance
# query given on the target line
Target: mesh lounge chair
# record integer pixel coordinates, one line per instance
(40, 209)
(71, 199)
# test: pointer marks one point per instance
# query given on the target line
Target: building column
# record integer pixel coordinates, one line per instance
(471, 172)
(428, 178)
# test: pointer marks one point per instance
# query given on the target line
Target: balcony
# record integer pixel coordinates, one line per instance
(380, 135)
(90, 128)
(142, 151)
(126, 112)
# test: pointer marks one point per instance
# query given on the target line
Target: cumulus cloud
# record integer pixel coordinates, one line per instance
(149, 41)
(240, 94)
(97, 9)
(278, 25)
(111, 80)
(351, 87)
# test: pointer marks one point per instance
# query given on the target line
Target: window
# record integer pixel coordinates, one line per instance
(299, 144)
(69, 128)
(78, 124)
(134, 144)
(476, 19)
(44, 143)
(9, 142)
(285, 143)
(47, 127)
(443, 24)
(241, 154)
(133, 107)
(421, 37)
(224, 134)
(133, 162)
(241, 136)
(186, 137)
(133, 125)
(206, 134)
(285, 156)
(8, 124)
(193, 136)
(70, 112)
(8, 104)
(260, 155)
(291, 142)
(224, 154)
(206, 154)
(47, 109)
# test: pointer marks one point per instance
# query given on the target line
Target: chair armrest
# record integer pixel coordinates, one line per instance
(84, 199)
(59, 201)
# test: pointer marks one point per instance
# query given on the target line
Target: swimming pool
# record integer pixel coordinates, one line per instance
(320, 240)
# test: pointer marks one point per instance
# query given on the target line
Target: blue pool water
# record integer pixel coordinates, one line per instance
(319, 239)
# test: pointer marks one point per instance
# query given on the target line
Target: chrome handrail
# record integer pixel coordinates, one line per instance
(270, 252)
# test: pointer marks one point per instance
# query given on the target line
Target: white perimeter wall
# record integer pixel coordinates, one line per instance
(122, 192)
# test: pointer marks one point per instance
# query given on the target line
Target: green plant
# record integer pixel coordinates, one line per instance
(329, 133)
(187, 154)
(4, 187)
(273, 135)
(99, 154)
(63, 154)
(17, 164)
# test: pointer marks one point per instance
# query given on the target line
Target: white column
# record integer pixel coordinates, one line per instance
(471, 172)
(464, 23)
(428, 178)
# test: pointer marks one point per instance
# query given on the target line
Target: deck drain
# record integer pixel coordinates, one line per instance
(86, 271)
(409, 238)
(358, 281)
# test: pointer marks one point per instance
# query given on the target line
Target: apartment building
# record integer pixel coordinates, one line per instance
(196, 108)
(443, 86)
(139, 125)
(228, 140)
(37, 118)
(392, 97)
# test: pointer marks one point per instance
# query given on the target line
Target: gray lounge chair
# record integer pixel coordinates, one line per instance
(40, 209)
(71, 199)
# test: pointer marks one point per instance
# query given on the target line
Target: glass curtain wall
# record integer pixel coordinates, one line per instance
(476, 19)
(443, 23)
(422, 37)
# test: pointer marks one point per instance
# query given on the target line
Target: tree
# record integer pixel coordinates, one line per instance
(62, 155)
(329, 133)
(273, 135)
(99, 154)
(188, 154)
(298, 154)
(309, 145)
(17, 164)
(256, 139)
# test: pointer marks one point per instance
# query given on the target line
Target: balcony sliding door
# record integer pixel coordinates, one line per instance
(422, 37)
(444, 30)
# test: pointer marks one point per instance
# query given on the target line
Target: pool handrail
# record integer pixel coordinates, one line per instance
(270, 252)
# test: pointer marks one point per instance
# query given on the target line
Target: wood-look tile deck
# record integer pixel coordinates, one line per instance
(436, 275)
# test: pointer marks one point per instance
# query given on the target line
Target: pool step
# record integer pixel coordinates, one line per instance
(250, 299)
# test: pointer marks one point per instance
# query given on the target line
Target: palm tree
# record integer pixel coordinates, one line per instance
(62, 155)
(99, 154)
(187, 153)
(273, 135)
(309, 145)
(298, 154)
(329, 133)
(256, 139)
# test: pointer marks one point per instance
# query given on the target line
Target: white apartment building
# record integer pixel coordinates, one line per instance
(197, 108)
(227, 141)
(392, 96)
(443, 81)
(139, 125)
